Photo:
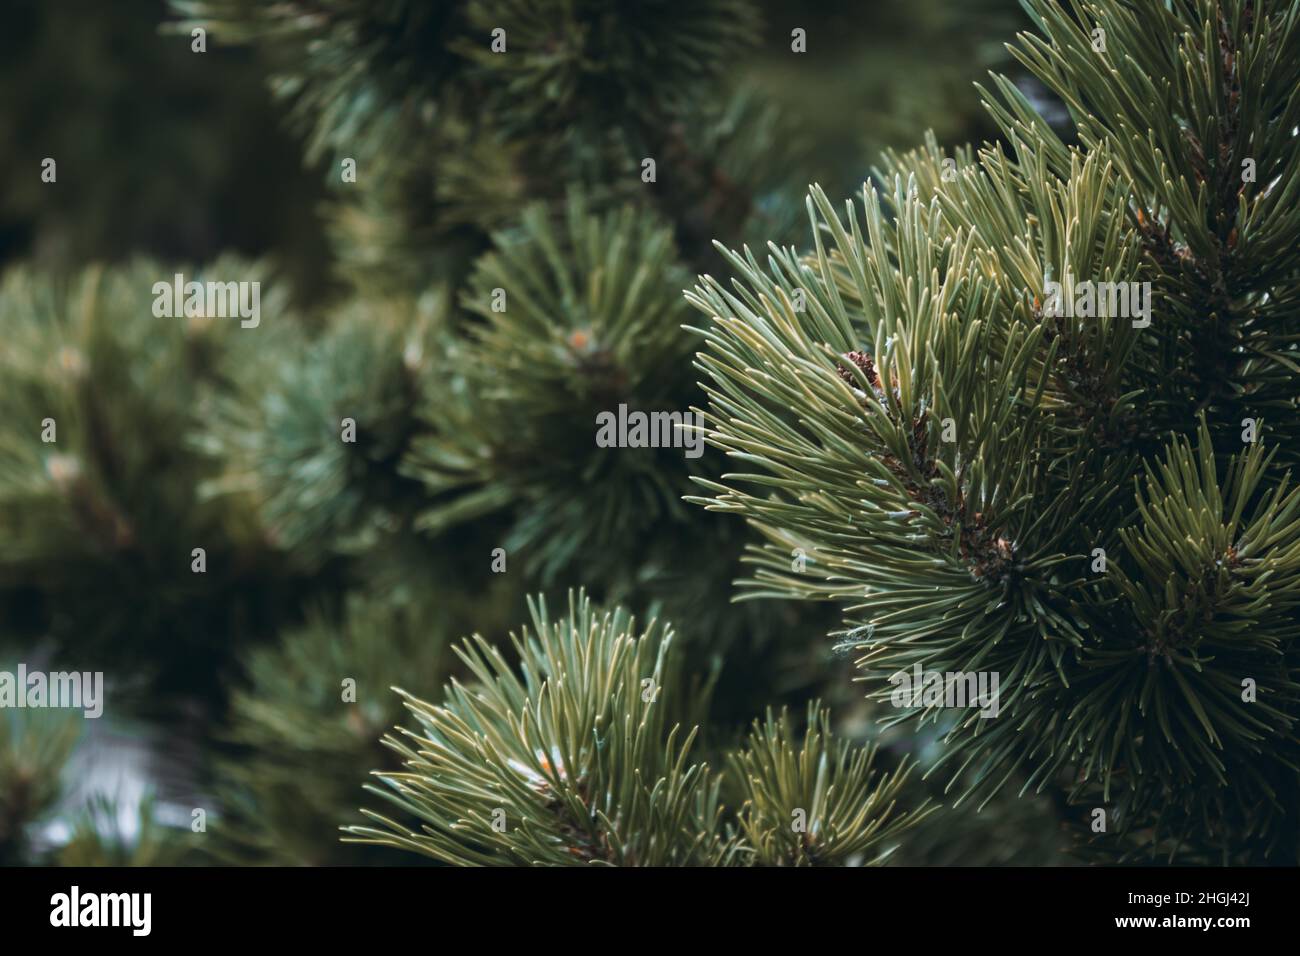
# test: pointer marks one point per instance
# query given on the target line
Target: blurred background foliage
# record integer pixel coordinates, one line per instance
(326, 560)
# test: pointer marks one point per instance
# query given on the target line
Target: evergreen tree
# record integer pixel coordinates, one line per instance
(1024, 411)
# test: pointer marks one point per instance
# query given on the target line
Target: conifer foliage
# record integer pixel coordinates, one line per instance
(1012, 424)
(989, 473)
(584, 757)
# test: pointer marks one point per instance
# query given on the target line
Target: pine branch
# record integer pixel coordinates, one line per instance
(575, 758)
(948, 451)
(817, 802)
(581, 755)
(573, 321)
